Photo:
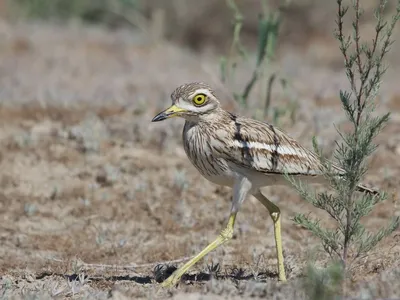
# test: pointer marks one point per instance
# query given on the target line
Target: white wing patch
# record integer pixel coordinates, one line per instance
(269, 158)
(281, 149)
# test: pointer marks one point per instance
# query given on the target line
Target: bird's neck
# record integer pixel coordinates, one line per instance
(218, 115)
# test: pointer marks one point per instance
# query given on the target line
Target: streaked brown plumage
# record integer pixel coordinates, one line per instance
(243, 143)
(239, 152)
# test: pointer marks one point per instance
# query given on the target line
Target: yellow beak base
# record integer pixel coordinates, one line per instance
(170, 112)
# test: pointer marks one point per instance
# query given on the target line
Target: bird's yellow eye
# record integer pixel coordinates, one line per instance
(199, 99)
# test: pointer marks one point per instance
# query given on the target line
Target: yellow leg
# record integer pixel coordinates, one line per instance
(275, 214)
(225, 235)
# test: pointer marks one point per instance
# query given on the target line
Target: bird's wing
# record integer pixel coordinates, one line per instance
(264, 148)
(261, 147)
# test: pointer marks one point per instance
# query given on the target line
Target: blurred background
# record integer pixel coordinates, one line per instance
(198, 26)
(175, 32)
(85, 178)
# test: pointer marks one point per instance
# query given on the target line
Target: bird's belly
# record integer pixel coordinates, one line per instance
(221, 179)
(214, 169)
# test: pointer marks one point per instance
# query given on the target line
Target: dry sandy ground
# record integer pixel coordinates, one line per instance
(93, 196)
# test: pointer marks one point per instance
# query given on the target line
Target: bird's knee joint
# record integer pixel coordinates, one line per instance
(227, 234)
(275, 215)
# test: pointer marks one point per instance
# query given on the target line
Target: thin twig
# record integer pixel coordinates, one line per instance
(236, 45)
(385, 47)
(130, 267)
(344, 45)
(364, 74)
(271, 80)
(356, 25)
(135, 266)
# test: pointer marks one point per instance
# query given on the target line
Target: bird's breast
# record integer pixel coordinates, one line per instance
(198, 148)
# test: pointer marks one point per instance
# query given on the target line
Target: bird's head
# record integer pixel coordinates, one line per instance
(192, 101)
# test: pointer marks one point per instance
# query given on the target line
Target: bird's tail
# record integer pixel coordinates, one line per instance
(367, 190)
(360, 188)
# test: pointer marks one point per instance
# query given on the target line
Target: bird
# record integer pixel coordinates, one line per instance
(242, 153)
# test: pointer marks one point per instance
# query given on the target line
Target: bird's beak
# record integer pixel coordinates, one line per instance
(170, 112)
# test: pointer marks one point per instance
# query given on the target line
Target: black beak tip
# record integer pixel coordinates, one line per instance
(159, 117)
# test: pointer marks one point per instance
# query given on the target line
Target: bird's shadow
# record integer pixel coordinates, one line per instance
(162, 272)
